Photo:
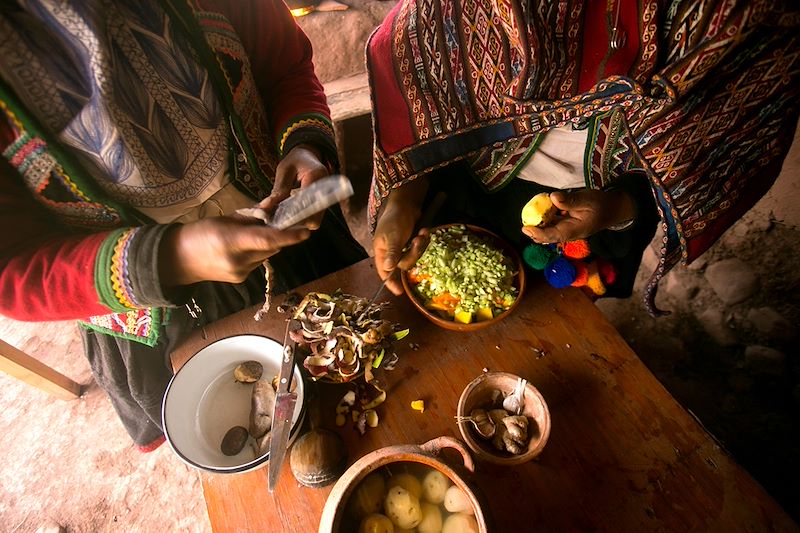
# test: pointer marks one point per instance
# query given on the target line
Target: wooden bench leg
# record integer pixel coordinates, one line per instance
(33, 372)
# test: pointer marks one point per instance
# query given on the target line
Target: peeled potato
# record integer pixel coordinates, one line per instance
(434, 486)
(431, 519)
(403, 508)
(376, 523)
(368, 496)
(460, 523)
(408, 482)
(457, 501)
(539, 211)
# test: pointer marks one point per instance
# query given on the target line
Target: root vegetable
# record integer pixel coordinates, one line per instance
(262, 403)
(376, 523)
(368, 497)
(539, 211)
(234, 440)
(434, 486)
(403, 508)
(456, 501)
(460, 523)
(408, 482)
(248, 372)
(431, 519)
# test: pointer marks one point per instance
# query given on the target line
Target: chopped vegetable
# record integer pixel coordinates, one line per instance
(464, 276)
(418, 405)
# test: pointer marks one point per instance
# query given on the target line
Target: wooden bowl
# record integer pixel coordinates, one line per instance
(333, 518)
(449, 323)
(478, 394)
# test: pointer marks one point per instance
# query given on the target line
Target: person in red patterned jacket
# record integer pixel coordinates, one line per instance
(625, 111)
(133, 131)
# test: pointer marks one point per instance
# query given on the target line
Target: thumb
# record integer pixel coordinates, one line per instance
(563, 201)
(391, 257)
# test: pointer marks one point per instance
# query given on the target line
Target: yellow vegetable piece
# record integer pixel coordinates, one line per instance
(484, 313)
(418, 405)
(539, 211)
(465, 317)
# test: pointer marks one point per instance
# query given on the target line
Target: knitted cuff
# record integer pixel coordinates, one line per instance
(126, 271)
(312, 129)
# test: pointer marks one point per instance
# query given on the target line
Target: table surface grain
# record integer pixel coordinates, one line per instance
(623, 455)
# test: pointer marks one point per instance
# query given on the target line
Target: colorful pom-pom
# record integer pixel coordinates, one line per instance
(576, 249)
(594, 282)
(537, 256)
(559, 273)
(581, 274)
(607, 272)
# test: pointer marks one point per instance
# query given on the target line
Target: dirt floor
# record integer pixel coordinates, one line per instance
(70, 463)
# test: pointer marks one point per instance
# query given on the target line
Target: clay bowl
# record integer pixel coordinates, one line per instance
(478, 394)
(449, 323)
(203, 401)
(335, 517)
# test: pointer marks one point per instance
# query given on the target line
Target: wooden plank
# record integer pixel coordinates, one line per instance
(33, 372)
(348, 97)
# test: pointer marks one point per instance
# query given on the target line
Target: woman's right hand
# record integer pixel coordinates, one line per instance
(224, 249)
(394, 229)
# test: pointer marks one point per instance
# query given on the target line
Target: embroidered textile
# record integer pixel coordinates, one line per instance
(706, 106)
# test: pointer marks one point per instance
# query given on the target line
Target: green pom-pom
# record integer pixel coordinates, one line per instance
(537, 256)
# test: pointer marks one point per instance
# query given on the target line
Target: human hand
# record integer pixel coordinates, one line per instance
(301, 167)
(393, 231)
(583, 213)
(220, 249)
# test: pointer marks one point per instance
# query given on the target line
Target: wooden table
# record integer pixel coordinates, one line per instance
(623, 455)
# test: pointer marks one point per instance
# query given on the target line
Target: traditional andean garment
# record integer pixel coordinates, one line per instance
(702, 99)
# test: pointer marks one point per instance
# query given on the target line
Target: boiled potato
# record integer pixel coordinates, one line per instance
(234, 440)
(376, 523)
(402, 507)
(457, 501)
(368, 496)
(460, 523)
(539, 211)
(434, 485)
(431, 519)
(408, 482)
(248, 372)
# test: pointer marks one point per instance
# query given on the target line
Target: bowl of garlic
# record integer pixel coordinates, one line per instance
(503, 418)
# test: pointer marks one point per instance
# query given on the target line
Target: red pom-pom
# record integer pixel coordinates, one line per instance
(576, 249)
(607, 272)
(581, 274)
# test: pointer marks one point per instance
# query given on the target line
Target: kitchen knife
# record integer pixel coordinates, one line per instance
(285, 401)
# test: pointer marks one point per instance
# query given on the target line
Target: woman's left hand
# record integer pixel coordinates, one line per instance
(301, 167)
(583, 213)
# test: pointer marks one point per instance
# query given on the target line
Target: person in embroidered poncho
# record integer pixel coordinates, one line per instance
(132, 132)
(688, 117)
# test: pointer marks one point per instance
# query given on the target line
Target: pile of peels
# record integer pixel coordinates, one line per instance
(343, 335)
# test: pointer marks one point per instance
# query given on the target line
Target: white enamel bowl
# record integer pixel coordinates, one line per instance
(203, 401)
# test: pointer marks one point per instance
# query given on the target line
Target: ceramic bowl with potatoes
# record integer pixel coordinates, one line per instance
(218, 406)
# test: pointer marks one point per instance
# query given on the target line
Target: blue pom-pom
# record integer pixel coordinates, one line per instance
(560, 273)
(537, 256)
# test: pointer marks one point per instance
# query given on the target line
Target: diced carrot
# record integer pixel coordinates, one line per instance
(445, 301)
(415, 277)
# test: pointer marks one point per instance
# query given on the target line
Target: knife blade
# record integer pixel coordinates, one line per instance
(285, 400)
